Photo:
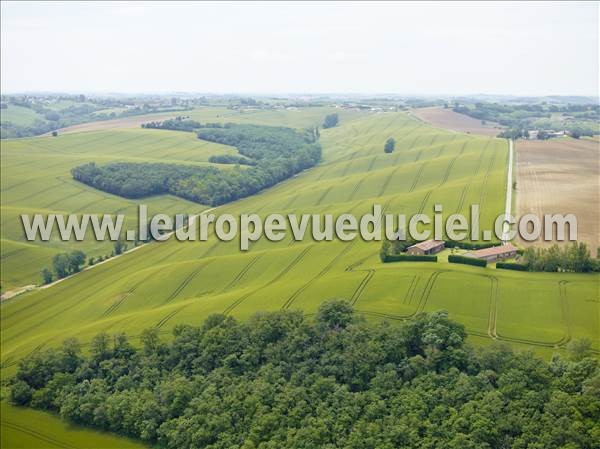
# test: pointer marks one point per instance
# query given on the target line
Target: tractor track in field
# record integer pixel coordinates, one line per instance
(373, 160)
(315, 278)
(347, 167)
(323, 195)
(160, 323)
(356, 188)
(387, 181)
(327, 268)
(418, 156)
(467, 187)
(38, 435)
(447, 172)
(424, 201)
(126, 295)
(564, 303)
(561, 342)
(410, 294)
(361, 287)
(279, 275)
(485, 179)
(493, 315)
(242, 273)
(420, 306)
(189, 278)
(417, 177)
(290, 202)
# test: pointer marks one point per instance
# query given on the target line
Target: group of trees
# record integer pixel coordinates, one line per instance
(63, 265)
(330, 121)
(575, 258)
(283, 381)
(274, 153)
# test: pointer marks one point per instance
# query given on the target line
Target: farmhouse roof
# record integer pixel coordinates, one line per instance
(428, 244)
(493, 251)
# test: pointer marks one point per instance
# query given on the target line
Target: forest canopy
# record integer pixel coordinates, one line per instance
(281, 380)
(273, 154)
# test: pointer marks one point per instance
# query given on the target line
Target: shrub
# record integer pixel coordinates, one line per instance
(467, 260)
(408, 258)
(469, 245)
(511, 266)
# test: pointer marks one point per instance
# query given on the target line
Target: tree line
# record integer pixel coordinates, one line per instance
(571, 258)
(274, 153)
(182, 123)
(281, 380)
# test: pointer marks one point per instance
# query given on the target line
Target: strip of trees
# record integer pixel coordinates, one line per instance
(281, 380)
(277, 153)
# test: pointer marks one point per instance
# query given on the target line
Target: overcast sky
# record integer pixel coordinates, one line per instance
(405, 48)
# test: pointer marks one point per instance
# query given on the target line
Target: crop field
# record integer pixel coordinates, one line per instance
(27, 428)
(19, 115)
(560, 176)
(164, 284)
(36, 179)
(446, 118)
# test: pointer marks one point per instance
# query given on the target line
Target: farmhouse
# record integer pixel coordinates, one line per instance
(494, 253)
(426, 247)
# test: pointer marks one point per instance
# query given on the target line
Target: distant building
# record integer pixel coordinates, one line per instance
(494, 253)
(427, 247)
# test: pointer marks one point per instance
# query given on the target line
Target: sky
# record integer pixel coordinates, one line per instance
(403, 48)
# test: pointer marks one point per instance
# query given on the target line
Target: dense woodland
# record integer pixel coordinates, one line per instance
(282, 380)
(273, 153)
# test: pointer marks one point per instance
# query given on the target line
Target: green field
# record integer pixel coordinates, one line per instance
(19, 115)
(164, 284)
(27, 429)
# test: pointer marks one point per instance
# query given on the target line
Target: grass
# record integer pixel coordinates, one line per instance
(164, 284)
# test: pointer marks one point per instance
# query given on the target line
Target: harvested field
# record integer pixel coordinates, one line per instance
(453, 121)
(560, 176)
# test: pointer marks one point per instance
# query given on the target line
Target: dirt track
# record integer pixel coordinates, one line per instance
(561, 176)
(448, 119)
